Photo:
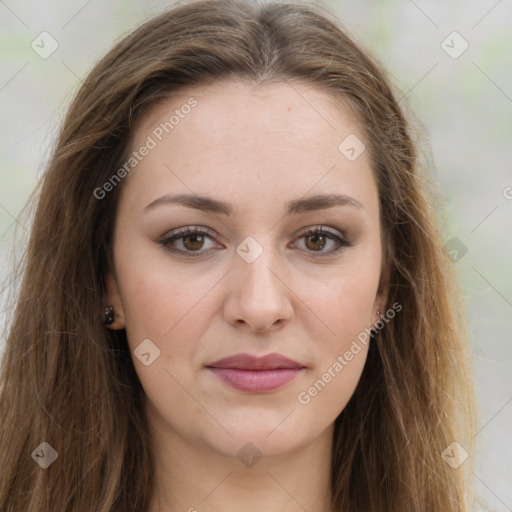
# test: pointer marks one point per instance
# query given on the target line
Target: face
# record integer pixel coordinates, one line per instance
(248, 263)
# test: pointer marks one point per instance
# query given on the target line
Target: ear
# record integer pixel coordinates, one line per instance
(380, 304)
(112, 298)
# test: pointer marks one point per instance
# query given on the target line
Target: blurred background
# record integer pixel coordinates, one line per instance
(452, 61)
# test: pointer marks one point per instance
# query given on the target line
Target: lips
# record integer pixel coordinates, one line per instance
(245, 372)
(249, 362)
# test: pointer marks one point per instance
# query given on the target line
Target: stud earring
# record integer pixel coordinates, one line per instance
(109, 315)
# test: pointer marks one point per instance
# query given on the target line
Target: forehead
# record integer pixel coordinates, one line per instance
(234, 135)
(226, 107)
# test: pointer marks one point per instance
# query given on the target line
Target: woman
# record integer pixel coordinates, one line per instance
(235, 296)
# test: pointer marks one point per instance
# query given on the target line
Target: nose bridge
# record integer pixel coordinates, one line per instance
(260, 295)
(258, 264)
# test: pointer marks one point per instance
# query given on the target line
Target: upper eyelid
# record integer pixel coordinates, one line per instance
(187, 229)
(322, 227)
(179, 232)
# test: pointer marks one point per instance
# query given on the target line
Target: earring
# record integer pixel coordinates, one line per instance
(109, 315)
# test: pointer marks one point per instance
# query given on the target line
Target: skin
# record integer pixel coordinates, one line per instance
(256, 149)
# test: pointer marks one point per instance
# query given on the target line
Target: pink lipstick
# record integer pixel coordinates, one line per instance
(245, 372)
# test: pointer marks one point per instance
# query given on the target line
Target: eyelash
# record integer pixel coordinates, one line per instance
(184, 232)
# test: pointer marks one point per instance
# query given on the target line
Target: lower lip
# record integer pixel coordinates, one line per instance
(256, 381)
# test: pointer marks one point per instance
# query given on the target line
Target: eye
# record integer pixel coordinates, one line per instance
(318, 238)
(191, 238)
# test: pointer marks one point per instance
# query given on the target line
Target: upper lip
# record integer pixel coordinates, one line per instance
(250, 362)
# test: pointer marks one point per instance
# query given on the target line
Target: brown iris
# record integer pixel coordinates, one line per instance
(317, 239)
(196, 243)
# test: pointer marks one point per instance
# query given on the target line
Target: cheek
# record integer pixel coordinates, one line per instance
(332, 386)
(345, 303)
(171, 309)
(345, 306)
(161, 302)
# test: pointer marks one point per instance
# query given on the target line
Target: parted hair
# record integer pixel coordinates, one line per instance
(69, 381)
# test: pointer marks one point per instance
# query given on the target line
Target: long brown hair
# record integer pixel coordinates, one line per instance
(68, 381)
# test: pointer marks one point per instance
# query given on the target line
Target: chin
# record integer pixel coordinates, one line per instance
(263, 434)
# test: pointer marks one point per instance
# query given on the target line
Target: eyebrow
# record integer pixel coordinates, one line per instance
(210, 205)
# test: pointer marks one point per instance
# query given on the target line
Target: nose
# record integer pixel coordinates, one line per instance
(259, 296)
